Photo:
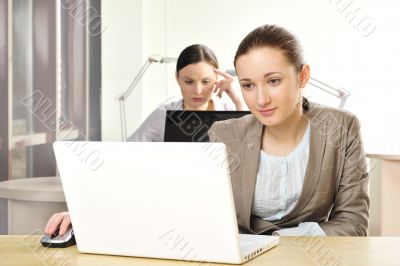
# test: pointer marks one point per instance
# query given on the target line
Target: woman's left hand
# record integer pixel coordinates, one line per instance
(225, 85)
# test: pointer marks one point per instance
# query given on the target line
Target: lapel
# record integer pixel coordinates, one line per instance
(250, 131)
(251, 153)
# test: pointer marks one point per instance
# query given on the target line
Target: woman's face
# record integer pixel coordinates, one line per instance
(271, 86)
(197, 83)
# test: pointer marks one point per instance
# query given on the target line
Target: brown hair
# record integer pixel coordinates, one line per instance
(194, 54)
(275, 37)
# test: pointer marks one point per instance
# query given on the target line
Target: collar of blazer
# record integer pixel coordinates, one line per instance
(250, 134)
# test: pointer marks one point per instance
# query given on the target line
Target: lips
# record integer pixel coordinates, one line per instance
(267, 112)
(198, 100)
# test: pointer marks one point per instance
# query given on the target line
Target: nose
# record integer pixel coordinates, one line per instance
(263, 97)
(197, 88)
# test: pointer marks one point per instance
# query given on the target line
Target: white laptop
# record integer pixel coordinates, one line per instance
(156, 200)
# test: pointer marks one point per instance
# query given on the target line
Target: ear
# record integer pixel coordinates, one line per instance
(304, 75)
(177, 77)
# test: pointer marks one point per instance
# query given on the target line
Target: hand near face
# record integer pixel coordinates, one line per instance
(226, 85)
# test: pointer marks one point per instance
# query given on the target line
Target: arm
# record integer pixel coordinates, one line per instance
(349, 216)
(303, 229)
(152, 129)
(225, 85)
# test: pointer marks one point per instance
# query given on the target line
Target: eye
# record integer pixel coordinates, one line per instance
(274, 81)
(247, 86)
(206, 81)
(188, 82)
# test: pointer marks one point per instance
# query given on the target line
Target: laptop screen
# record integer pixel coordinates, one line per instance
(193, 126)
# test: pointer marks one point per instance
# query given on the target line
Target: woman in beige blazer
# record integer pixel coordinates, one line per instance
(333, 195)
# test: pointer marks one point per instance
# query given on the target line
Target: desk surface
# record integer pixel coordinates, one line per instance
(389, 157)
(47, 189)
(26, 250)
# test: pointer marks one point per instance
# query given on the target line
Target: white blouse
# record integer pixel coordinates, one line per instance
(279, 184)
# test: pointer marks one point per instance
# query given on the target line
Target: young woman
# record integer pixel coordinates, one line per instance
(197, 76)
(299, 167)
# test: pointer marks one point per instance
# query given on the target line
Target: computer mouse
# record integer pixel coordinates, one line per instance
(58, 241)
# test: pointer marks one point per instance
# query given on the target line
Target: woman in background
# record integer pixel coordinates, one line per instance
(197, 75)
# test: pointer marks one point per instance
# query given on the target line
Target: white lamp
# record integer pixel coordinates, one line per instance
(341, 93)
(123, 97)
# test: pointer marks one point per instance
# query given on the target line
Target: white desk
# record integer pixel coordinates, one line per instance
(31, 201)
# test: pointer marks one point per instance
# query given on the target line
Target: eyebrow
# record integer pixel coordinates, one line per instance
(186, 77)
(265, 75)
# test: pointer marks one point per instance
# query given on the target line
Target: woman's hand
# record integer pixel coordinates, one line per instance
(225, 85)
(59, 220)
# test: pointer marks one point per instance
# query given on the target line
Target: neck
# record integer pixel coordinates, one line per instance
(290, 131)
(209, 106)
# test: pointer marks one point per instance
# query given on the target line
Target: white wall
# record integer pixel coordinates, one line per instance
(135, 29)
(338, 51)
(154, 42)
(122, 56)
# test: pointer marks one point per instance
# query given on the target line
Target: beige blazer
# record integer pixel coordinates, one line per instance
(335, 189)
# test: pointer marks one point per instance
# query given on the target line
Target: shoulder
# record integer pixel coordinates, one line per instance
(320, 114)
(236, 128)
(159, 113)
(173, 103)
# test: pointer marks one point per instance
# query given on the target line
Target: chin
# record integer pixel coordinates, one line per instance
(195, 105)
(269, 121)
